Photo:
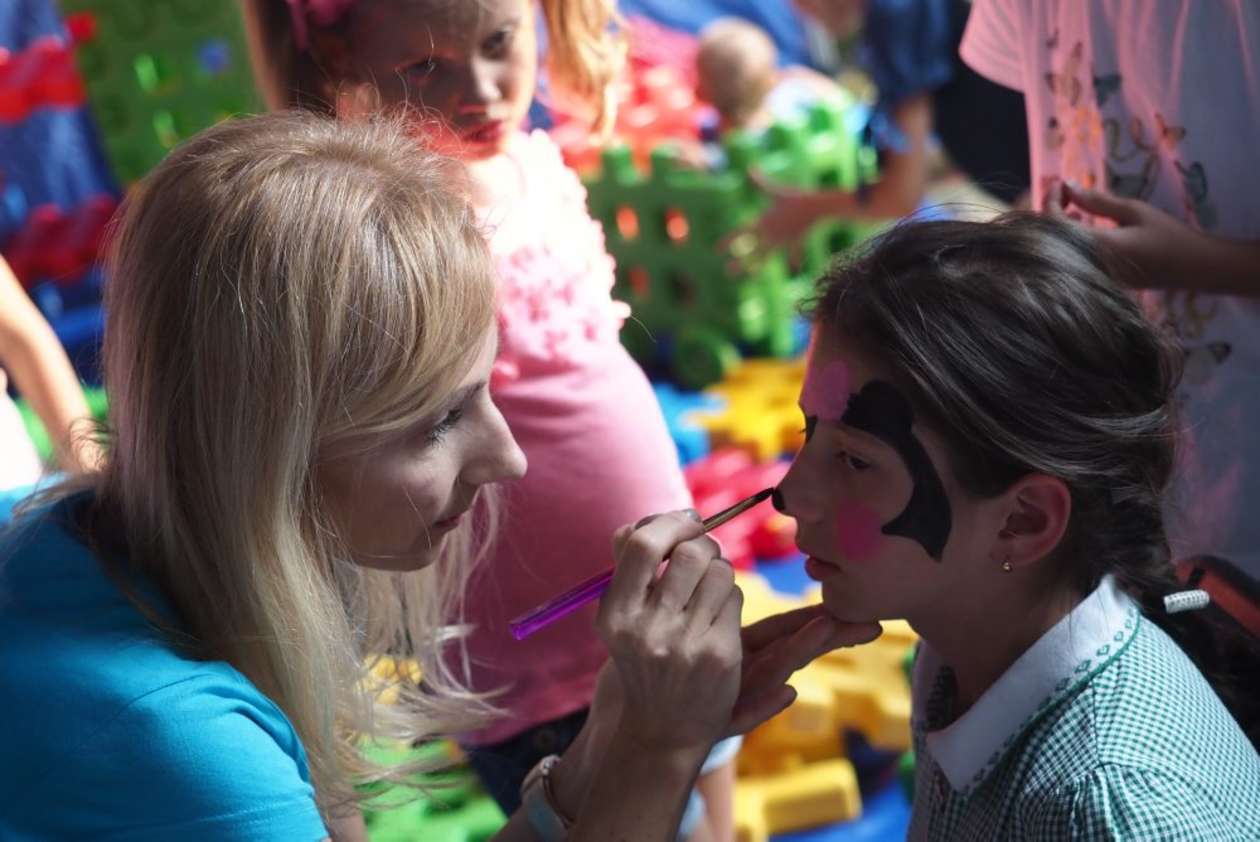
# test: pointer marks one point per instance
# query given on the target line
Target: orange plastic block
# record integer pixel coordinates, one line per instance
(818, 794)
(761, 412)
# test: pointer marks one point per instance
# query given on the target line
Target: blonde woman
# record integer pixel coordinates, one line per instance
(299, 336)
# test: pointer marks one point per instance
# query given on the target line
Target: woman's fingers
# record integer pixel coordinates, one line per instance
(766, 631)
(751, 712)
(781, 645)
(641, 553)
(711, 594)
(689, 562)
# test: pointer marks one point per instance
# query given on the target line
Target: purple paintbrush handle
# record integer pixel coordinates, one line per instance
(563, 605)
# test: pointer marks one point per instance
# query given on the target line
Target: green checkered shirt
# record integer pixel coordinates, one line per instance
(1104, 729)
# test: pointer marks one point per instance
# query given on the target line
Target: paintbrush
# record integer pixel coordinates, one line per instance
(594, 587)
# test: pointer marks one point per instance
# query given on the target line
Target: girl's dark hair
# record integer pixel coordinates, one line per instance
(1014, 344)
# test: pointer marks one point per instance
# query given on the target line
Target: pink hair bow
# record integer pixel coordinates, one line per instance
(323, 12)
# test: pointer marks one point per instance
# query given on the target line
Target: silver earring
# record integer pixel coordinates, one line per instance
(1006, 566)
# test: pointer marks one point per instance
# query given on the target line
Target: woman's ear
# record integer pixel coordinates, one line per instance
(1038, 509)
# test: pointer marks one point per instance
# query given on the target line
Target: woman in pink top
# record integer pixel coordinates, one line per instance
(598, 449)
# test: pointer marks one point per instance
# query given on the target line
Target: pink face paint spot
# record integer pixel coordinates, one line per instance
(825, 394)
(857, 531)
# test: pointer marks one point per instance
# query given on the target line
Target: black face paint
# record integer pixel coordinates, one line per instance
(883, 412)
(779, 503)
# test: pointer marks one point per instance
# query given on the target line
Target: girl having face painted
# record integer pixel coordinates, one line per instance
(990, 429)
(462, 73)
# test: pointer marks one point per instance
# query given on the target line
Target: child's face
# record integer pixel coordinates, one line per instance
(888, 531)
(396, 502)
(469, 66)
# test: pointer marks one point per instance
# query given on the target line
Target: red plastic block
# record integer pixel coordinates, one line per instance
(42, 75)
(725, 477)
(59, 246)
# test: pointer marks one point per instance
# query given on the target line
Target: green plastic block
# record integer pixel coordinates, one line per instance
(693, 282)
(97, 404)
(451, 807)
(905, 771)
(159, 72)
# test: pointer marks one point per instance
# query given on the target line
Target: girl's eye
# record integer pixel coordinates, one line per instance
(811, 422)
(498, 43)
(854, 462)
(423, 69)
(439, 430)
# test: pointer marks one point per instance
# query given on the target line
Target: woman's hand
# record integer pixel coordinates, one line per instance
(685, 673)
(674, 639)
(682, 675)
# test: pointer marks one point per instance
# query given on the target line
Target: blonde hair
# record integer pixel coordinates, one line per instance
(280, 285)
(586, 52)
(736, 68)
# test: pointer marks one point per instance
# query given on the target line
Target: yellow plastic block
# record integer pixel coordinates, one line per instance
(860, 688)
(869, 688)
(814, 795)
(387, 673)
(760, 414)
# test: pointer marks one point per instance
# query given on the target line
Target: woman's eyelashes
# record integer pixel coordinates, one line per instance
(439, 430)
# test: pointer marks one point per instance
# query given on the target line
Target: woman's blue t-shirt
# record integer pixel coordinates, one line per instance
(110, 732)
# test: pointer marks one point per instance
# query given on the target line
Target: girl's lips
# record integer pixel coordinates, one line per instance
(489, 132)
(819, 569)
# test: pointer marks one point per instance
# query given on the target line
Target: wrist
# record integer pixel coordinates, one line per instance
(670, 761)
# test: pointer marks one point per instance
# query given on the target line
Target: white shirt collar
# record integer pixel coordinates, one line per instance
(1066, 656)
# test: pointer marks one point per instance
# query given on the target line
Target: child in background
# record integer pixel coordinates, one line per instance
(737, 70)
(991, 425)
(1155, 148)
(583, 412)
(31, 354)
(909, 48)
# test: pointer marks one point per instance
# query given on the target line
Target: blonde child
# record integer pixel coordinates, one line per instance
(301, 434)
(991, 425)
(737, 70)
(599, 452)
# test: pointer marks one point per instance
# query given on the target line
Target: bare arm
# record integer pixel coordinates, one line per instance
(31, 353)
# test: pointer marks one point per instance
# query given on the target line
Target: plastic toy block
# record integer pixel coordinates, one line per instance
(668, 227)
(57, 245)
(656, 95)
(905, 774)
(865, 686)
(818, 794)
(445, 806)
(761, 411)
(41, 76)
(869, 688)
(722, 479)
(38, 434)
(690, 437)
(387, 673)
(158, 73)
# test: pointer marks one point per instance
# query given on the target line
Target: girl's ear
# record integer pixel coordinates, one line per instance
(1038, 510)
